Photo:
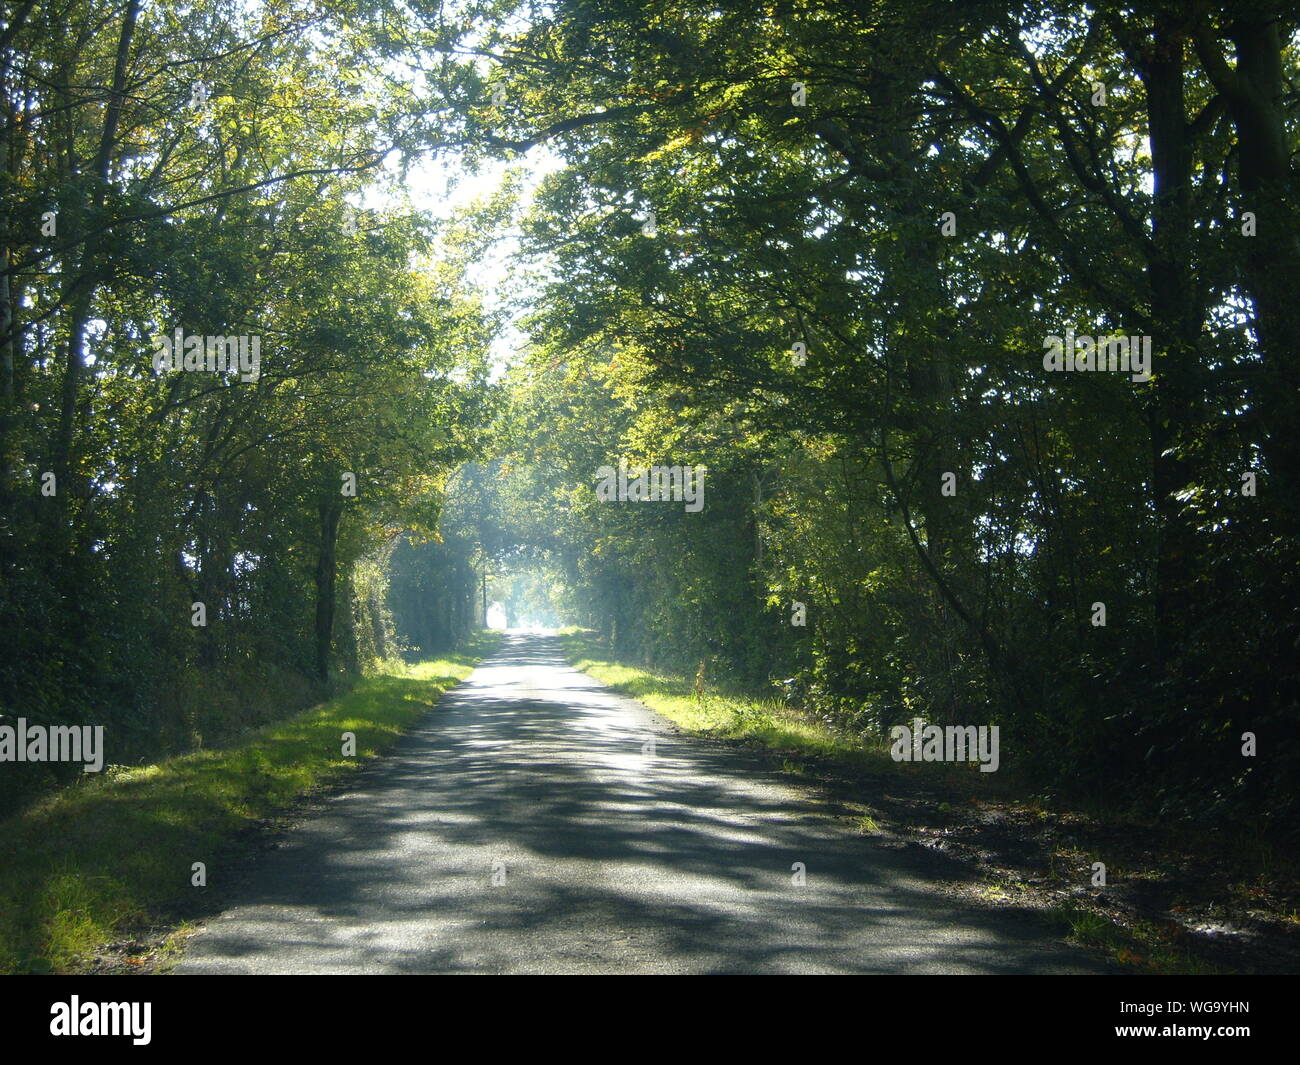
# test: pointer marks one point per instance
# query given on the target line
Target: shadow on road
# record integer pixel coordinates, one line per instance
(525, 827)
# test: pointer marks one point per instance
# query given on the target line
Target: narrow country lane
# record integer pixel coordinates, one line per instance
(521, 829)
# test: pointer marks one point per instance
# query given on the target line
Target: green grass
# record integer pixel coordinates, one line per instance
(115, 850)
(765, 722)
(1141, 947)
(803, 742)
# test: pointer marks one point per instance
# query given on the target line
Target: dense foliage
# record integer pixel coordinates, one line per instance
(190, 167)
(921, 194)
(820, 249)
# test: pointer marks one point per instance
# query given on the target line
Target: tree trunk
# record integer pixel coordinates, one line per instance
(82, 276)
(1178, 318)
(1272, 260)
(326, 566)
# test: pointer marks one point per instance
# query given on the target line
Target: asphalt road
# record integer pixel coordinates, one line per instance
(524, 827)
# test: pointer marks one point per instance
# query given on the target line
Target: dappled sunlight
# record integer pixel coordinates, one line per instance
(618, 845)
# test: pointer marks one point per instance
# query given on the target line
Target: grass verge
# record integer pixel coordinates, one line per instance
(116, 850)
(1143, 945)
(763, 722)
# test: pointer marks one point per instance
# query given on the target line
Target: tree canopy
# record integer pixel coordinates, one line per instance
(865, 263)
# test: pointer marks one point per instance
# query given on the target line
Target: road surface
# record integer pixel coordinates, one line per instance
(525, 826)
